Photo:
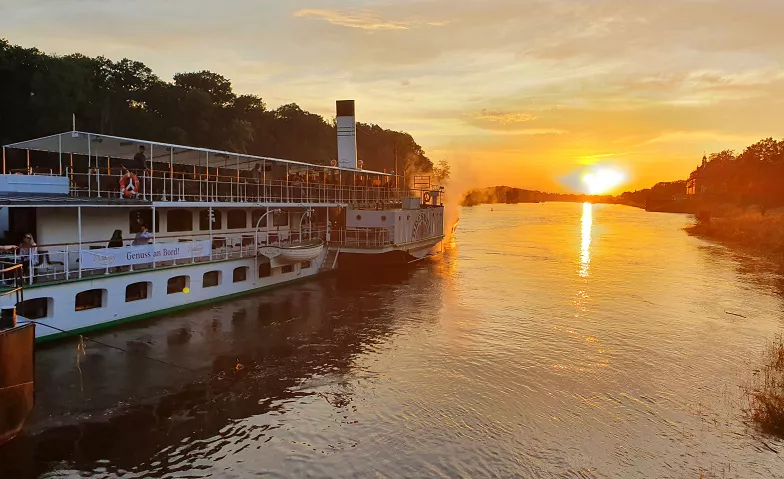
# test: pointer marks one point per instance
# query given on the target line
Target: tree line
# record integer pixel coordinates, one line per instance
(752, 177)
(40, 92)
(510, 195)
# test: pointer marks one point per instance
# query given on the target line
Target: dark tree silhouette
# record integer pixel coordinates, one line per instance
(39, 93)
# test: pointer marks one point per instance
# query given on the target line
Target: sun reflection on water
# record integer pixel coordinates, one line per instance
(585, 244)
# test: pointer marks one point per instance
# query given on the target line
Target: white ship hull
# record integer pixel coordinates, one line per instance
(115, 310)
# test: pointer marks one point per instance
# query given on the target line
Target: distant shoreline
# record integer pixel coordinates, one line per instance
(508, 195)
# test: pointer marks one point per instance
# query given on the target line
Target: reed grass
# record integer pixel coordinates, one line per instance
(765, 391)
(752, 230)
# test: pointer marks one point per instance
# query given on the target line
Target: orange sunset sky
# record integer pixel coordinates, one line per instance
(521, 92)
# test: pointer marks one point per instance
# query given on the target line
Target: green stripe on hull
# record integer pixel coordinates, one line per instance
(108, 324)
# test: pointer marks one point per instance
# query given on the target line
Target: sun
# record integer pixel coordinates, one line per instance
(602, 180)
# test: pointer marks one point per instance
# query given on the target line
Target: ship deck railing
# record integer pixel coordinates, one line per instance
(95, 162)
(183, 187)
(364, 237)
(61, 262)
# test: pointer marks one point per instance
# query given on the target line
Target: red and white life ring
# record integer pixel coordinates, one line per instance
(129, 185)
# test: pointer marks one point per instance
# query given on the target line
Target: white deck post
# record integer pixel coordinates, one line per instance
(79, 230)
(89, 168)
(151, 173)
(171, 172)
(3, 160)
(98, 174)
(152, 226)
(238, 179)
(60, 151)
(207, 176)
(210, 221)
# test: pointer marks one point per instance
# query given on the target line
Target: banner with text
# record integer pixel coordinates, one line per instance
(128, 255)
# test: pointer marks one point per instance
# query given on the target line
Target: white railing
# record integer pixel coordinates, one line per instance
(61, 262)
(168, 186)
(364, 237)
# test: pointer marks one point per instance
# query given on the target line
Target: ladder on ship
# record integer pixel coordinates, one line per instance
(331, 261)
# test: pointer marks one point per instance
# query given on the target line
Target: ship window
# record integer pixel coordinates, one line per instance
(240, 274)
(359, 217)
(383, 218)
(287, 269)
(280, 219)
(137, 291)
(179, 220)
(211, 278)
(37, 308)
(177, 284)
(90, 299)
(204, 220)
(304, 264)
(265, 270)
(236, 219)
(137, 218)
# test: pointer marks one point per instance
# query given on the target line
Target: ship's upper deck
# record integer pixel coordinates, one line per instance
(83, 164)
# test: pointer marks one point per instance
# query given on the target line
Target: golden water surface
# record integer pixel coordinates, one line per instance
(550, 340)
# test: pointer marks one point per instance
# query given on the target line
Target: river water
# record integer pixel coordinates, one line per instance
(549, 340)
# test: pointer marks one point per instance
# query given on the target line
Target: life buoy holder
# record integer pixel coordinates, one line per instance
(426, 197)
(129, 185)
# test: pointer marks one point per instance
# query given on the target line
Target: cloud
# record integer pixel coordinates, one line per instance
(504, 117)
(364, 20)
(529, 88)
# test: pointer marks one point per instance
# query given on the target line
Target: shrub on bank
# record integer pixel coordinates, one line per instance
(766, 391)
(754, 230)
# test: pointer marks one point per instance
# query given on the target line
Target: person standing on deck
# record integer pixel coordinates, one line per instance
(139, 162)
(255, 180)
(28, 253)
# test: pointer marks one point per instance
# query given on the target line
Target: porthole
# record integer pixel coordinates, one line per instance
(383, 218)
(359, 217)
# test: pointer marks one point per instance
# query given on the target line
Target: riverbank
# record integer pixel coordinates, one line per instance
(762, 235)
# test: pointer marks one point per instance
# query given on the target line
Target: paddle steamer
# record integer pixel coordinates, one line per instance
(221, 224)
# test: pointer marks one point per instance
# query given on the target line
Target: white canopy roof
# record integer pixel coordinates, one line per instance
(99, 145)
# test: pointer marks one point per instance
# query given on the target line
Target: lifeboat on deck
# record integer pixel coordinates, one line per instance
(293, 253)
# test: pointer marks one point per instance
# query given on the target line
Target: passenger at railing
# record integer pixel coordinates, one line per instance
(142, 237)
(116, 240)
(139, 162)
(254, 179)
(296, 187)
(28, 253)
